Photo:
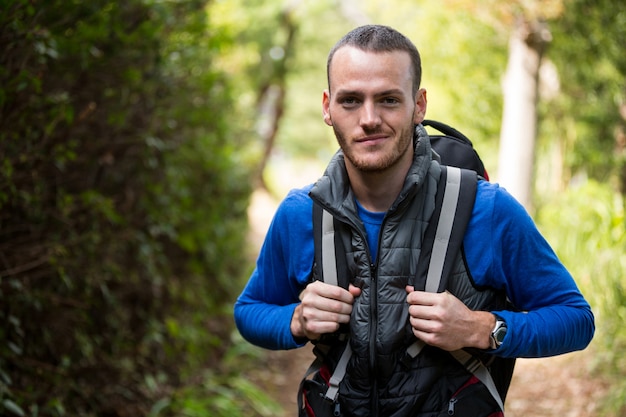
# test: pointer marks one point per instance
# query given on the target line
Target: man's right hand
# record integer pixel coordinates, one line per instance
(323, 308)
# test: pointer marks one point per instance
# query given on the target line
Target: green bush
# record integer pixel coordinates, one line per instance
(587, 228)
(122, 201)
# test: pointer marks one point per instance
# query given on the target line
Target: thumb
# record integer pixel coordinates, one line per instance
(410, 289)
(355, 291)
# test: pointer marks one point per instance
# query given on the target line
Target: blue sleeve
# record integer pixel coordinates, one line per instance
(505, 250)
(264, 309)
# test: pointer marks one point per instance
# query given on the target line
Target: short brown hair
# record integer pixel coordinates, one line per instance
(378, 38)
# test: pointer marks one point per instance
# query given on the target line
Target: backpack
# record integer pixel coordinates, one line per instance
(461, 165)
(455, 149)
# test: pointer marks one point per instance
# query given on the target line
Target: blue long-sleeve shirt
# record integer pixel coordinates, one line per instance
(503, 249)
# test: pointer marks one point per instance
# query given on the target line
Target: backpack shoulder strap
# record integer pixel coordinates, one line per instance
(453, 209)
(329, 249)
(454, 202)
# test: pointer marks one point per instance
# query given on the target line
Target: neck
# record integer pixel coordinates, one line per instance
(376, 191)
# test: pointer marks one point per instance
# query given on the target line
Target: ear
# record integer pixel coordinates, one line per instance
(326, 108)
(420, 106)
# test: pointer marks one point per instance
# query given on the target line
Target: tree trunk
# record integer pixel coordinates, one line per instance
(271, 102)
(519, 120)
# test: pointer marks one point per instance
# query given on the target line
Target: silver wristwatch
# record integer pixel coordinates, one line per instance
(498, 333)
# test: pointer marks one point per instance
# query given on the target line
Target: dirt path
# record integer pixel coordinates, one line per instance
(560, 386)
(550, 387)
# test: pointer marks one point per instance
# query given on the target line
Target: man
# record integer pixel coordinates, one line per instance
(381, 186)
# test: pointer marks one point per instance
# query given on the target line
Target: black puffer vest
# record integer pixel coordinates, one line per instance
(381, 380)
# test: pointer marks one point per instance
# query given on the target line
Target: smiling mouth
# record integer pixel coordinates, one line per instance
(372, 138)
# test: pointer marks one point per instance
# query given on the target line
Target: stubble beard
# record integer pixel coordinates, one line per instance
(386, 161)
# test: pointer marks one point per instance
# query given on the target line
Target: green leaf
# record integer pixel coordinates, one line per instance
(159, 406)
(12, 407)
(15, 348)
(6, 379)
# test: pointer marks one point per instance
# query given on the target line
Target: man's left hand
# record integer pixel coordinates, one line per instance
(442, 320)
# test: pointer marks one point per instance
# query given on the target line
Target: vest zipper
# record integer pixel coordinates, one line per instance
(372, 341)
(374, 318)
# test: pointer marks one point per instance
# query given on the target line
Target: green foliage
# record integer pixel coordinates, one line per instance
(588, 117)
(123, 204)
(222, 395)
(587, 227)
(463, 62)
(586, 125)
(219, 390)
(127, 133)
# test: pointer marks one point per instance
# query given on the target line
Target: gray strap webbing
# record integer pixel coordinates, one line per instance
(329, 265)
(442, 239)
(480, 371)
(415, 348)
(444, 229)
(339, 373)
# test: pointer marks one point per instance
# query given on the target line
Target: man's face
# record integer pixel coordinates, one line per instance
(371, 107)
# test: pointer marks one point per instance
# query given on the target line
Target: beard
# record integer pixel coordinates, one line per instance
(385, 160)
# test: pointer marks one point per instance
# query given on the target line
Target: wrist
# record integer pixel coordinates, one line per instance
(485, 322)
(296, 326)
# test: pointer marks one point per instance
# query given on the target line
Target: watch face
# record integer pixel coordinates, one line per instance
(500, 332)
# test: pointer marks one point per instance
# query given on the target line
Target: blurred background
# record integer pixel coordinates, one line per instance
(145, 143)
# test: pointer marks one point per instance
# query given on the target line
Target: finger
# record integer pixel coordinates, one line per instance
(315, 301)
(421, 312)
(355, 291)
(425, 325)
(315, 329)
(432, 338)
(318, 322)
(422, 298)
(330, 291)
(312, 315)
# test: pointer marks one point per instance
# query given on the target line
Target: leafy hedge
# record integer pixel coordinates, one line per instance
(122, 204)
(586, 225)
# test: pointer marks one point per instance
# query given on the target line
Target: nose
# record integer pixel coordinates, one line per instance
(370, 118)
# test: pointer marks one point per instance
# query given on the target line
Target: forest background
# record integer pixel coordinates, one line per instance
(132, 135)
